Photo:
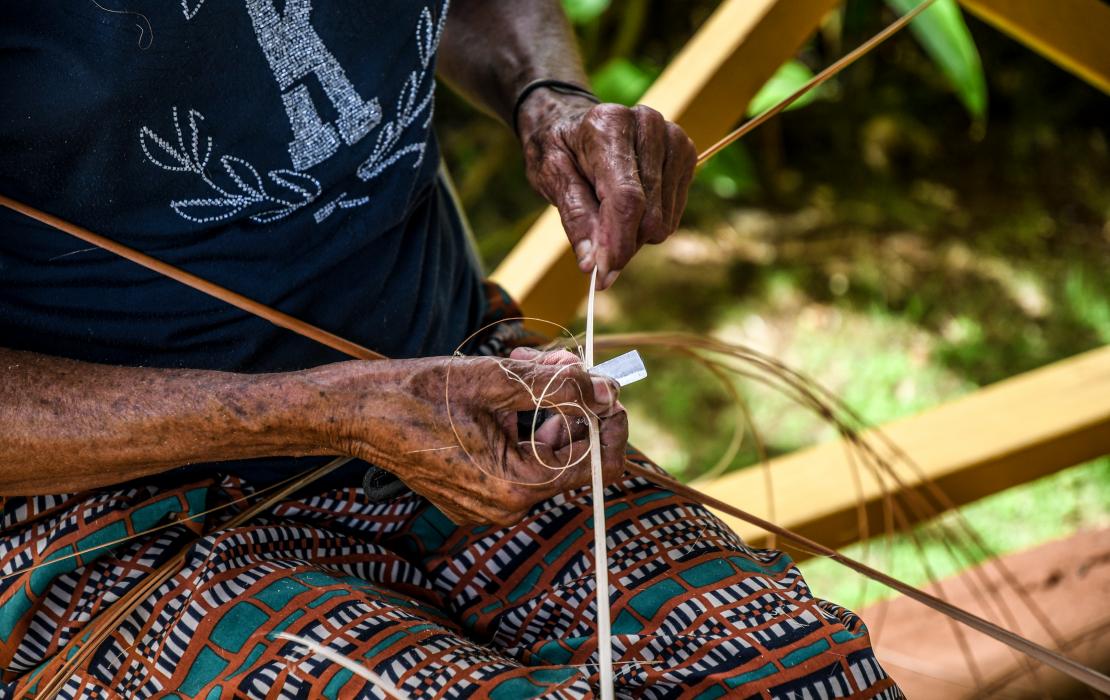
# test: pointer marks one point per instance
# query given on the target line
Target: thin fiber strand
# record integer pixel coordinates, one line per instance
(601, 558)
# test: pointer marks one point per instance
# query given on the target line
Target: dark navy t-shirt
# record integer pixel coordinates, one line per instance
(282, 149)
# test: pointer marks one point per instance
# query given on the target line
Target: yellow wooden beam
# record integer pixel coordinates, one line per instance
(706, 90)
(1073, 33)
(999, 436)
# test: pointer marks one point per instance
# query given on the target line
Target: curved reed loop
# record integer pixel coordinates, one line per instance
(875, 452)
(540, 404)
(870, 451)
(753, 365)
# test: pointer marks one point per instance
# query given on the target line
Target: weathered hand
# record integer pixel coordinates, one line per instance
(618, 176)
(448, 427)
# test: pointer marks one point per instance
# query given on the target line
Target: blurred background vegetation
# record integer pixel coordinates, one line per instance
(935, 219)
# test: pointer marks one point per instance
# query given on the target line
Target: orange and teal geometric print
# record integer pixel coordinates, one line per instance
(438, 610)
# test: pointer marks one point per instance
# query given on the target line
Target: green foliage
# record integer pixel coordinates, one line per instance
(585, 11)
(786, 81)
(731, 174)
(944, 35)
(622, 81)
(1088, 301)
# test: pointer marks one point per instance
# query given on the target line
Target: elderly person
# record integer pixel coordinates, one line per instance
(286, 151)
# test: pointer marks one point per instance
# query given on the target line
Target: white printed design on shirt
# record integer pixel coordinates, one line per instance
(191, 10)
(294, 52)
(242, 188)
(415, 101)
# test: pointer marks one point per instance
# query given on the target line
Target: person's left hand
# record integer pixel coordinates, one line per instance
(617, 175)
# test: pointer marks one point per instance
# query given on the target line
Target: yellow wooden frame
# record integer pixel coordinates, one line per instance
(706, 90)
(1073, 33)
(1006, 434)
(999, 436)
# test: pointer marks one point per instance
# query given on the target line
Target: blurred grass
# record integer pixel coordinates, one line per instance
(887, 240)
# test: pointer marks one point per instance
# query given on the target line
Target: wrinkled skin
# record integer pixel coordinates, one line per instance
(67, 425)
(618, 176)
(467, 458)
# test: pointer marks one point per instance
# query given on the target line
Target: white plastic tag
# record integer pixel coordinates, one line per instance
(625, 369)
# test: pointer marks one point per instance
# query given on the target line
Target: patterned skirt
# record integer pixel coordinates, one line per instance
(437, 610)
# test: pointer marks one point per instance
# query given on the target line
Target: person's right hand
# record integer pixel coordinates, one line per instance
(460, 448)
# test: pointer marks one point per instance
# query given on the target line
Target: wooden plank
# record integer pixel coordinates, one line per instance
(1072, 33)
(1069, 579)
(706, 90)
(999, 436)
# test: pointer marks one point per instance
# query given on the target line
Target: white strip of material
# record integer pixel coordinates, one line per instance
(624, 369)
(390, 690)
(601, 554)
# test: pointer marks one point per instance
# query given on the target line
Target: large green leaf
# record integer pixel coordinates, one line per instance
(944, 35)
(584, 11)
(787, 79)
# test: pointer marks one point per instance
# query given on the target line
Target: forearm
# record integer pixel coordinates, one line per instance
(67, 425)
(447, 426)
(491, 50)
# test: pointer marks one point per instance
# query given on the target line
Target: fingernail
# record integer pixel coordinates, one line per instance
(583, 250)
(611, 278)
(605, 391)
